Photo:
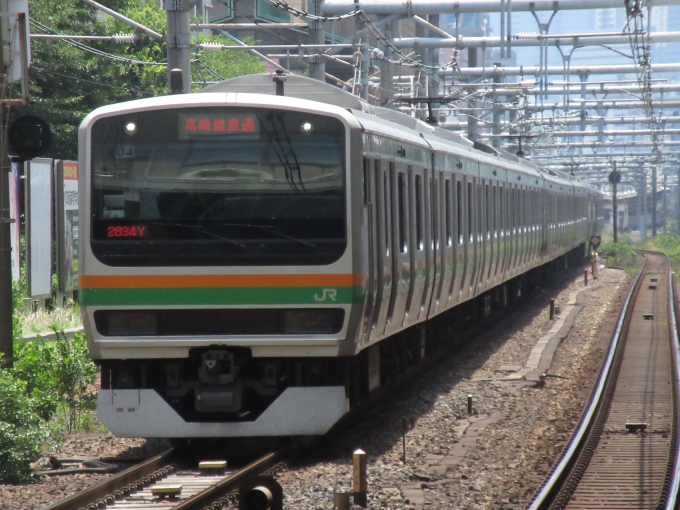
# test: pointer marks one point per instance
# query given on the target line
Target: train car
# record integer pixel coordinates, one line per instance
(255, 263)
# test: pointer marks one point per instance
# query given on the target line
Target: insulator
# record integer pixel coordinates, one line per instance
(527, 36)
(124, 38)
(211, 46)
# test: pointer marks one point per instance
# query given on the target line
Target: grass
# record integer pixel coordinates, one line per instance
(43, 321)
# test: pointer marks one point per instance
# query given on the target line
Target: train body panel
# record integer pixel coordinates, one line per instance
(240, 249)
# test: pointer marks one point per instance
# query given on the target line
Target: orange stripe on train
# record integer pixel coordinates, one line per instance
(203, 280)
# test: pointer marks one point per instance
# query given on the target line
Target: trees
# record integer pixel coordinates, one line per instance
(69, 79)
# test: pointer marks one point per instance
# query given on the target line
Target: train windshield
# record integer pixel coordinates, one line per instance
(218, 186)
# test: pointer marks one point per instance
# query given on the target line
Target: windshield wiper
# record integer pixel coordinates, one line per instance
(270, 229)
(281, 152)
(203, 231)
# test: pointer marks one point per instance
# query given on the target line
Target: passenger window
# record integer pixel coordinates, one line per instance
(459, 210)
(488, 212)
(419, 212)
(387, 202)
(469, 200)
(401, 191)
(447, 213)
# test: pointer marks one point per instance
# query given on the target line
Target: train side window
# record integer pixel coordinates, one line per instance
(387, 203)
(459, 210)
(502, 210)
(470, 215)
(494, 205)
(479, 225)
(401, 198)
(447, 213)
(367, 165)
(488, 212)
(419, 213)
(525, 205)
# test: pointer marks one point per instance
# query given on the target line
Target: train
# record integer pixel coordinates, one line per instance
(261, 256)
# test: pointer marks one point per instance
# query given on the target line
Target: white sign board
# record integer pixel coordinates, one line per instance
(67, 225)
(39, 227)
(15, 216)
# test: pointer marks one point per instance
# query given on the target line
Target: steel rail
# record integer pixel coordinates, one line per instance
(561, 469)
(216, 496)
(672, 481)
(107, 490)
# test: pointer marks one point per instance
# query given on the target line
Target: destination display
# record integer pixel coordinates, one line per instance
(195, 125)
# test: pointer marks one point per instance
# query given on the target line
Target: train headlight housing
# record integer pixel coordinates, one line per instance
(317, 320)
(306, 128)
(137, 323)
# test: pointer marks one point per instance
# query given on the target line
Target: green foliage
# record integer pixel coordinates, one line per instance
(70, 79)
(619, 254)
(48, 378)
(58, 372)
(22, 430)
(668, 244)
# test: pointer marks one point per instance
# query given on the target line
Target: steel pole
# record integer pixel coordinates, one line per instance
(677, 203)
(317, 35)
(6, 305)
(420, 7)
(179, 40)
(654, 177)
(664, 219)
(615, 213)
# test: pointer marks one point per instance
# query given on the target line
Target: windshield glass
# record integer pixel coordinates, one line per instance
(218, 186)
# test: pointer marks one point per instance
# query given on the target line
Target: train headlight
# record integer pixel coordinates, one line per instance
(306, 128)
(312, 321)
(130, 128)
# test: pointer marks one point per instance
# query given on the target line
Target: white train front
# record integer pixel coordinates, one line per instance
(254, 264)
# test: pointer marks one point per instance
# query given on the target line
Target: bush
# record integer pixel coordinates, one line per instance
(58, 372)
(619, 254)
(22, 431)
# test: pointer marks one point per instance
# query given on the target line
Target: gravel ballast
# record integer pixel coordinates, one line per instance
(495, 458)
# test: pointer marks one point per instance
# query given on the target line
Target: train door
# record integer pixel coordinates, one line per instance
(383, 215)
(491, 229)
(469, 246)
(417, 180)
(512, 229)
(495, 197)
(474, 229)
(487, 247)
(372, 252)
(460, 241)
(503, 234)
(432, 256)
(401, 263)
(438, 225)
(447, 242)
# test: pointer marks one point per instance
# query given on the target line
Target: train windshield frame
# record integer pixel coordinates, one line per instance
(197, 186)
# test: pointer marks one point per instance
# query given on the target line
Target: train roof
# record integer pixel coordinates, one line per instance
(303, 87)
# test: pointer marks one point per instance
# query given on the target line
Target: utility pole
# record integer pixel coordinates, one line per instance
(6, 305)
(677, 200)
(615, 178)
(654, 200)
(643, 204)
(317, 35)
(472, 119)
(178, 40)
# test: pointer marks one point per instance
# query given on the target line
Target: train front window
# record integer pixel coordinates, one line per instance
(218, 186)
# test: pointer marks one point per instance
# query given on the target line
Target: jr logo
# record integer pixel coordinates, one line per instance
(325, 294)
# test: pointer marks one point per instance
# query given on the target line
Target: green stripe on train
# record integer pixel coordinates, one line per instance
(219, 296)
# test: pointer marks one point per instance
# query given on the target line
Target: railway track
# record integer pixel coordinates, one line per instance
(624, 453)
(165, 482)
